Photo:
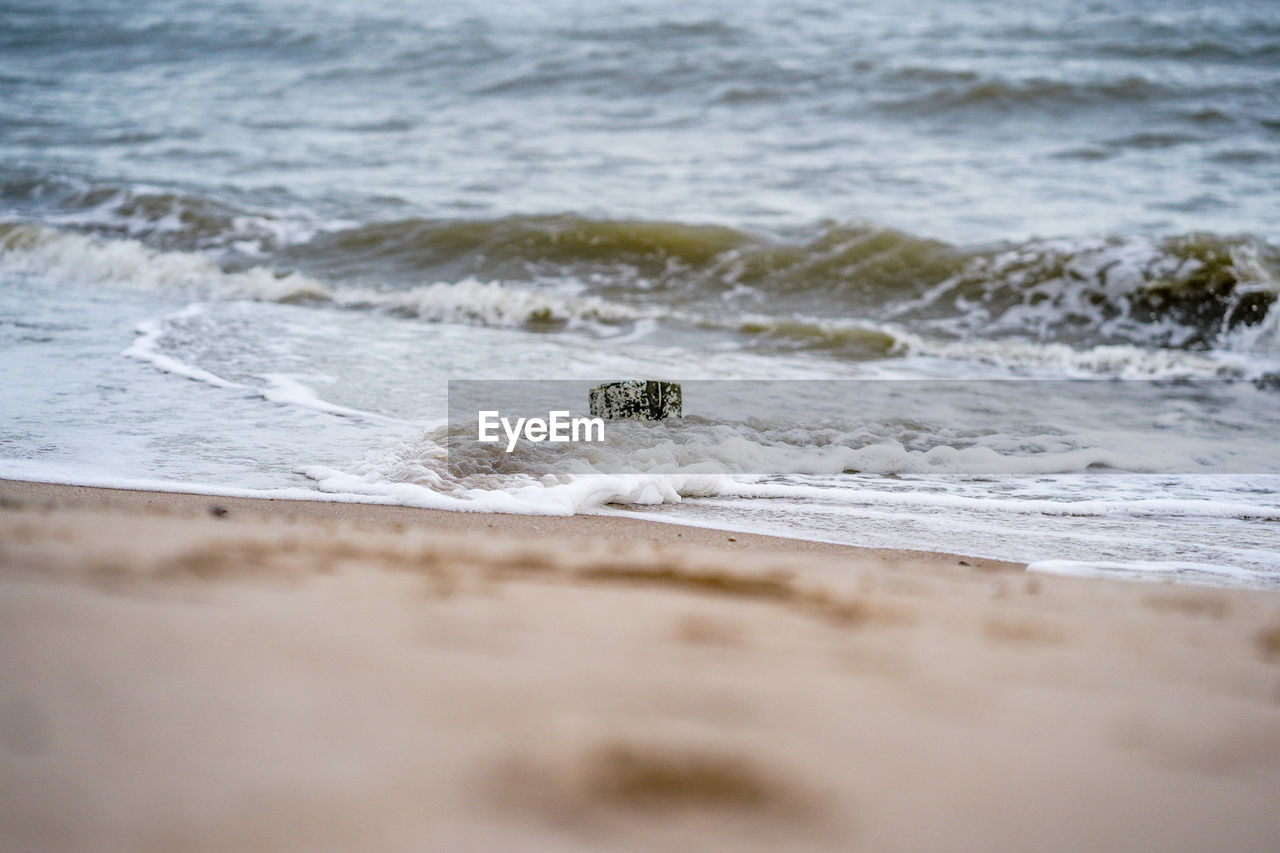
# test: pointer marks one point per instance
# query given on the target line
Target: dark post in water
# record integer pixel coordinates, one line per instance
(636, 399)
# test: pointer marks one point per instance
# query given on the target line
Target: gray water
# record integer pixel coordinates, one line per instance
(963, 121)
(243, 245)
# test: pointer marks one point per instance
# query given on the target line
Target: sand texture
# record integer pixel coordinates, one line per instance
(194, 673)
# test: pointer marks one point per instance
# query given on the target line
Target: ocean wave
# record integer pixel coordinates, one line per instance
(281, 389)
(655, 260)
(517, 246)
(1194, 292)
(39, 250)
(646, 463)
(1182, 305)
(1159, 571)
(704, 457)
(1148, 141)
(697, 29)
(1035, 92)
(162, 218)
(1183, 291)
(1124, 507)
(419, 471)
(1226, 47)
(490, 304)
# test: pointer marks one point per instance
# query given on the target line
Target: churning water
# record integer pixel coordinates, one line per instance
(244, 245)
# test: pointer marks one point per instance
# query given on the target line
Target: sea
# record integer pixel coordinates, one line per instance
(246, 246)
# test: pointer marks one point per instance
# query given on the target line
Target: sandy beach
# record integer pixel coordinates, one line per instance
(188, 672)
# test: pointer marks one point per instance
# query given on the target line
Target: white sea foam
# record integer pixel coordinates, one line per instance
(61, 255)
(141, 211)
(280, 388)
(146, 348)
(1179, 571)
(1127, 507)
(1125, 361)
(649, 464)
(1045, 289)
(49, 252)
(489, 304)
(290, 391)
(37, 472)
(526, 496)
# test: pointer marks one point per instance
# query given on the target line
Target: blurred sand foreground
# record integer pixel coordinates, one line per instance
(194, 673)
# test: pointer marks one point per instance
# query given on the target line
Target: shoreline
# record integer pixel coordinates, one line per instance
(222, 674)
(60, 495)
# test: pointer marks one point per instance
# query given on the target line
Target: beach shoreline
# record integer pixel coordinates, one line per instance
(227, 673)
(618, 528)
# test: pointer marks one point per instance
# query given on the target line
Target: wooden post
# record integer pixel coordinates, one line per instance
(636, 399)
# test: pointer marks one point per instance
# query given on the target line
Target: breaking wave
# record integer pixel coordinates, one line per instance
(653, 463)
(1133, 306)
(43, 251)
(656, 261)
(1193, 292)
(163, 218)
(1184, 292)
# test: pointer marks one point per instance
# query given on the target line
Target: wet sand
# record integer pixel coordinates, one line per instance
(188, 672)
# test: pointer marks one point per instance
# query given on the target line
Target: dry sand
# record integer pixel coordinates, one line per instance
(194, 673)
